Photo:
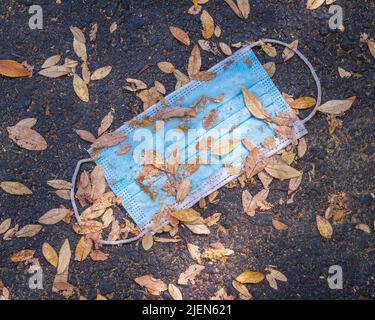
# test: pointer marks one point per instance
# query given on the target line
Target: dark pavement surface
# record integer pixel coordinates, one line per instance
(344, 161)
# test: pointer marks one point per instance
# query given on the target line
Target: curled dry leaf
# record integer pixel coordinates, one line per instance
(207, 24)
(77, 34)
(29, 230)
(80, 49)
(223, 147)
(363, 227)
(225, 48)
(147, 241)
(278, 225)
(314, 4)
(55, 71)
(288, 53)
(180, 35)
(343, 73)
(195, 61)
(324, 227)
(108, 140)
(166, 67)
(190, 274)
(174, 292)
(64, 257)
(51, 61)
(80, 88)
(101, 73)
(242, 290)
(244, 7)
(270, 68)
(303, 103)
(253, 104)
(54, 216)
(250, 277)
(22, 255)
(13, 69)
(83, 248)
(27, 138)
(5, 225)
(152, 285)
(50, 254)
(15, 188)
(337, 107)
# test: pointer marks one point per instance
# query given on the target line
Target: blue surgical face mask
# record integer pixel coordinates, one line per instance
(221, 101)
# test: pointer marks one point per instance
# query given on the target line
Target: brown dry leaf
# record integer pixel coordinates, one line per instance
(86, 135)
(314, 4)
(186, 215)
(271, 281)
(93, 32)
(198, 228)
(222, 294)
(147, 241)
(207, 24)
(194, 10)
(194, 252)
(363, 227)
(13, 69)
(154, 286)
(83, 248)
(244, 7)
(60, 184)
(97, 255)
(195, 61)
(5, 225)
(89, 226)
(80, 49)
(15, 188)
(217, 252)
(180, 35)
(69, 63)
(265, 178)
(27, 138)
(51, 61)
(234, 7)
(63, 194)
(54, 216)
(249, 206)
(243, 291)
(279, 276)
(302, 147)
(203, 76)
(55, 71)
(190, 274)
(337, 107)
(27, 122)
(174, 292)
(135, 85)
(166, 67)
(224, 147)
(175, 112)
(280, 170)
(183, 189)
(85, 72)
(324, 227)
(101, 73)
(287, 53)
(250, 277)
(77, 34)
(29, 230)
(371, 46)
(50, 254)
(149, 97)
(253, 104)
(294, 184)
(80, 88)
(269, 49)
(225, 48)
(64, 257)
(22, 255)
(217, 31)
(105, 123)
(270, 68)
(269, 143)
(113, 27)
(124, 149)
(278, 225)
(10, 233)
(303, 103)
(159, 87)
(343, 73)
(109, 140)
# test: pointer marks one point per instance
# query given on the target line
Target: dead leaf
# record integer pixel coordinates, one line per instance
(265, 178)
(29, 230)
(194, 10)
(303, 103)
(337, 107)
(279, 276)
(186, 215)
(5, 225)
(270, 68)
(234, 7)
(207, 24)
(314, 4)
(93, 32)
(183, 189)
(147, 241)
(101, 73)
(343, 73)
(244, 7)
(154, 286)
(280, 170)
(302, 147)
(124, 149)
(85, 72)
(243, 291)
(225, 48)
(371, 46)
(166, 67)
(50, 254)
(174, 292)
(27, 138)
(77, 34)
(83, 248)
(22, 255)
(217, 31)
(194, 252)
(13, 69)
(80, 88)
(180, 35)
(10, 233)
(250, 277)
(224, 147)
(253, 104)
(55, 71)
(218, 251)
(97, 255)
(278, 225)
(54, 216)
(51, 61)
(64, 257)
(15, 188)
(324, 227)
(113, 27)
(363, 227)
(86, 135)
(269, 49)
(105, 123)
(109, 140)
(63, 194)
(80, 49)
(271, 281)
(89, 226)
(195, 61)
(288, 53)
(60, 184)
(203, 76)
(190, 274)
(248, 205)
(198, 228)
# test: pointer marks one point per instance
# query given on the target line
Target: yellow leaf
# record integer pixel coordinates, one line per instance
(80, 88)
(250, 277)
(324, 227)
(50, 254)
(186, 215)
(303, 103)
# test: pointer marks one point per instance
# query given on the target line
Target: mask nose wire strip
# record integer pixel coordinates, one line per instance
(309, 65)
(76, 213)
(140, 235)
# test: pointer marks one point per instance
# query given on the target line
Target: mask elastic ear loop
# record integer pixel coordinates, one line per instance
(78, 217)
(312, 70)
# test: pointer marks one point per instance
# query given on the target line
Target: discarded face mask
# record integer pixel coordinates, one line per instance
(197, 139)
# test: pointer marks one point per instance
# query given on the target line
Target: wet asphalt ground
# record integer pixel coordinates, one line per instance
(343, 161)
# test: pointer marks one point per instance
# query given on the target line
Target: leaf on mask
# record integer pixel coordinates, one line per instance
(269, 49)
(80, 88)
(303, 103)
(225, 48)
(180, 35)
(195, 61)
(337, 107)
(244, 293)
(183, 189)
(64, 257)
(23, 255)
(234, 7)
(175, 112)
(109, 140)
(288, 53)
(50, 254)
(83, 248)
(51, 61)
(324, 227)
(203, 76)
(278, 225)
(27, 138)
(101, 73)
(147, 241)
(269, 143)
(13, 69)
(280, 170)
(174, 292)
(105, 123)
(29, 230)
(224, 147)
(86, 135)
(210, 119)
(124, 149)
(208, 25)
(166, 67)
(153, 286)
(314, 4)
(15, 188)
(253, 104)
(250, 277)
(244, 7)
(270, 68)
(190, 274)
